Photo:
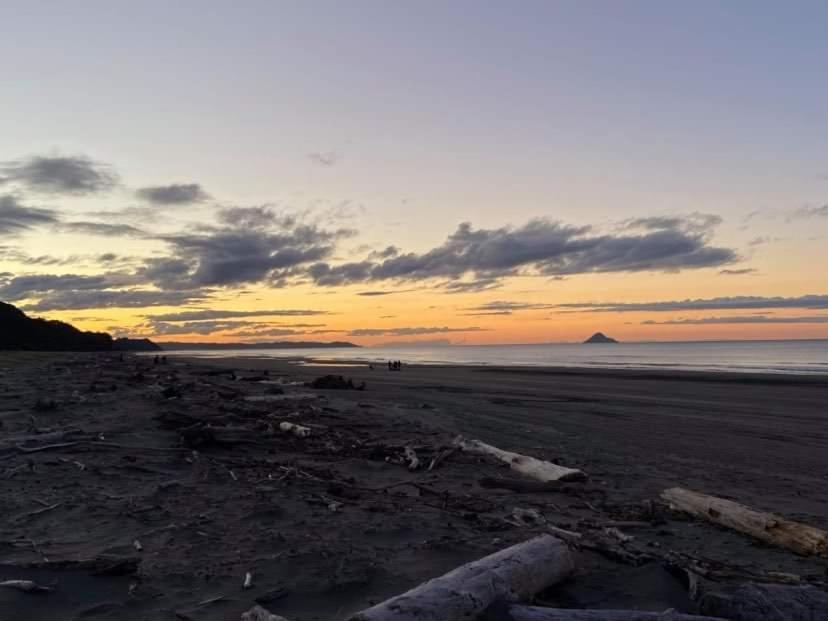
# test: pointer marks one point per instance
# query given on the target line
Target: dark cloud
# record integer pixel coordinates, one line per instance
(739, 272)
(471, 286)
(749, 319)
(174, 194)
(199, 315)
(101, 228)
(269, 332)
(722, 303)
(546, 248)
(252, 245)
(327, 158)
(110, 298)
(161, 328)
(370, 294)
(505, 307)
(17, 218)
(694, 222)
(22, 287)
(410, 331)
(59, 175)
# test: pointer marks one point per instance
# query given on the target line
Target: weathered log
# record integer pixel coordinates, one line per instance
(257, 613)
(517, 612)
(512, 574)
(297, 430)
(528, 466)
(769, 602)
(770, 528)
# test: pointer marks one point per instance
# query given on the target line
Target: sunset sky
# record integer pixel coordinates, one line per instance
(472, 172)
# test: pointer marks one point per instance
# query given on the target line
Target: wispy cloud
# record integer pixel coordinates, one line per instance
(721, 303)
(324, 158)
(212, 314)
(16, 218)
(747, 319)
(411, 331)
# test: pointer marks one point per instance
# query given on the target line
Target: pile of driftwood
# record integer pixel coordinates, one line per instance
(497, 587)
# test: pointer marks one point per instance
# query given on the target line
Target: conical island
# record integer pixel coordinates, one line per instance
(599, 337)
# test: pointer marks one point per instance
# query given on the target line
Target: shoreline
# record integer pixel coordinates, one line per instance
(728, 375)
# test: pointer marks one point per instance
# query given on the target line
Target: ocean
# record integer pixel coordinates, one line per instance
(803, 356)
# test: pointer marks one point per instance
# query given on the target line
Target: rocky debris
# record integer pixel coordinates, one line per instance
(335, 382)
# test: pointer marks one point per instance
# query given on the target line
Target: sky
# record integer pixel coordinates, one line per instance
(468, 172)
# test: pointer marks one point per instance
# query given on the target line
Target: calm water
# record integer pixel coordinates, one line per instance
(741, 356)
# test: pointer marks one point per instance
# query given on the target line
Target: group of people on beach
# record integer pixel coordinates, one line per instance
(394, 365)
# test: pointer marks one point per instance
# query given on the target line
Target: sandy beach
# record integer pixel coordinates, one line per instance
(108, 460)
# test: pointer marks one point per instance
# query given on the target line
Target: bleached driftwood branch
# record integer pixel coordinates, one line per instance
(257, 613)
(528, 466)
(297, 430)
(512, 574)
(773, 529)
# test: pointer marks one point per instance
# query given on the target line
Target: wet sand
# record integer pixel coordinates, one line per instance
(329, 524)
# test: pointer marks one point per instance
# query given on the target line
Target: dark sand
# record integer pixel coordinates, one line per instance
(265, 505)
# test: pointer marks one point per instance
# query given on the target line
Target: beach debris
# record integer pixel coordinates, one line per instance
(335, 382)
(770, 602)
(515, 573)
(27, 586)
(528, 466)
(257, 613)
(517, 612)
(442, 456)
(527, 516)
(411, 458)
(248, 580)
(137, 545)
(795, 536)
(297, 430)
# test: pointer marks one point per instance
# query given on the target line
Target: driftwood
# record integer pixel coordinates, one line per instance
(534, 613)
(442, 456)
(297, 430)
(99, 566)
(27, 586)
(411, 458)
(769, 602)
(528, 466)
(512, 574)
(770, 528)
(257, 613)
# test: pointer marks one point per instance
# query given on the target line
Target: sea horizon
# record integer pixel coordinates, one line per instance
(799, 356)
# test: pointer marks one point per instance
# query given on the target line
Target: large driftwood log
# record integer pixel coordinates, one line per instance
(257, 613)
(528, 466)
(533, 613)
(769, 602)
(800, 538)
(512, 574)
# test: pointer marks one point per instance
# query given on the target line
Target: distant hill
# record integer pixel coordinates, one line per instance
(124, 344)
(19, 331)
(172, 345)
(599, 337)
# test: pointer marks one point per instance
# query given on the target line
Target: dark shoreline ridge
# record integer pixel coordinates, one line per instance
(19, 331)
